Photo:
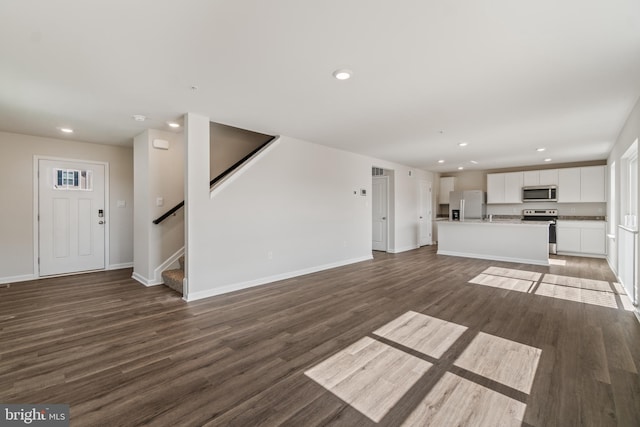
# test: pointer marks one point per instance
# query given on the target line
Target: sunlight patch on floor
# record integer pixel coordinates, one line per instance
(585, 296)
(369, 375)
(426, 334)
(507, 362)
(455, 401)
(373, 377)
(502, 282)
(513, 273)
(577, 282)
(553, 261)
(576, 289)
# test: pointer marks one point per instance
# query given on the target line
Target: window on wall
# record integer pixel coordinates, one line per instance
(613, 220)
(629, 186)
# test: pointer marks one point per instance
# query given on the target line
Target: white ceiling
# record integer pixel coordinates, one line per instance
(505, 76)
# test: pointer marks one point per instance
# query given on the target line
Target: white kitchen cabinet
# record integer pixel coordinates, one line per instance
(549, 177)
(569, 185)
(495, 188)
(505, 187)
(540, 177)
(513, 187)
(582, 185)
(447, 185)
(581, 237)
(592, 184)
(531, 178)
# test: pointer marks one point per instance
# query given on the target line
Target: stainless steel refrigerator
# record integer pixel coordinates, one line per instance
(468, 204)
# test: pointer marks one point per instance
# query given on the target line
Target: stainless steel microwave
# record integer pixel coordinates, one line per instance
(540, 193)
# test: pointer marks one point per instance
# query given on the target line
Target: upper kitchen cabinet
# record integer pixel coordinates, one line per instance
(581, 185)
(541, 177)
(593, 184)
(549, 177)
(505, 187)
(447, 185)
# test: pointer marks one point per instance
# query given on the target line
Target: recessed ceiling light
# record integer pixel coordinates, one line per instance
(440, 161)
(139, 117)
(173, 124)
(460, 168)
(540, 150)
(342, 74)
(547, 160)
(462, 144)
(474, 162)
(66, 130)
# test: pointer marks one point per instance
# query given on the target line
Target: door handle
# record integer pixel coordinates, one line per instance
(100, 222)
(384, 217)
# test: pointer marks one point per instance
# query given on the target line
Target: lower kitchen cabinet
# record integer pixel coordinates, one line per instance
(581, 237)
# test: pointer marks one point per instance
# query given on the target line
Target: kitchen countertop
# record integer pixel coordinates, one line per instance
(495, 221)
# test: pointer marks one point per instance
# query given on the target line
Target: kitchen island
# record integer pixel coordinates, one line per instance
(504, 240)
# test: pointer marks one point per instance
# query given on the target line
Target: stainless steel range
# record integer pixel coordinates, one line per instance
(550, 215)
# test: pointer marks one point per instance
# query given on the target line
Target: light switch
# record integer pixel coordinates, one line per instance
(159, 201)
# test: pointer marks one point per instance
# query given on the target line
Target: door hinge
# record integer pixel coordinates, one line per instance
(38, 260)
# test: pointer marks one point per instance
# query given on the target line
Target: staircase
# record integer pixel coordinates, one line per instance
(173, 278)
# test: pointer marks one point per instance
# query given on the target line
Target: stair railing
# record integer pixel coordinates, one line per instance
(217, 179)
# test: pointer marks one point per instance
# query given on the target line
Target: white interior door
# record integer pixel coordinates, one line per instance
(379, 201)
(71, 217)
(425, 220)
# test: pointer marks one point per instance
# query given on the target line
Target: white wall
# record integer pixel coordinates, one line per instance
(629, 133)
(16, 188)
(158, 173)
(291, 211)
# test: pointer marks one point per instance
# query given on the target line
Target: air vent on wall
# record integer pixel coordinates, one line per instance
(377, 171)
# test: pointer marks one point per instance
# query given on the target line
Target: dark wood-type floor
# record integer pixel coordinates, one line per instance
(123, 355)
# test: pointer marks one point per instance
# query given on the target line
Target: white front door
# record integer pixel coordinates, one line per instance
(71, 217)
(379, 208)
(424, 216)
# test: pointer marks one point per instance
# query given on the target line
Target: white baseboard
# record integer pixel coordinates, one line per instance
(270, 279)
(614, 270)
(402, 249)
(120, 266)
(157, 273)
(14, 279)
(602, 256)
(147, 282)
(493, 258)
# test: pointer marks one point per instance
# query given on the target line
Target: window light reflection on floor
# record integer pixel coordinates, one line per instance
(455, 401)
(369, 375)
(502, 282)
(372, 376)
(585, 296)
(426, 334)
(507, 362)
(576, 289)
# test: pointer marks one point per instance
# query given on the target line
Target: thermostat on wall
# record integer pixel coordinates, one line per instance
(363, 192)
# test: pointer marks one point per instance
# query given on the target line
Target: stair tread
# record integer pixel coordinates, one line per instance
(173, 279)
(176, 273)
